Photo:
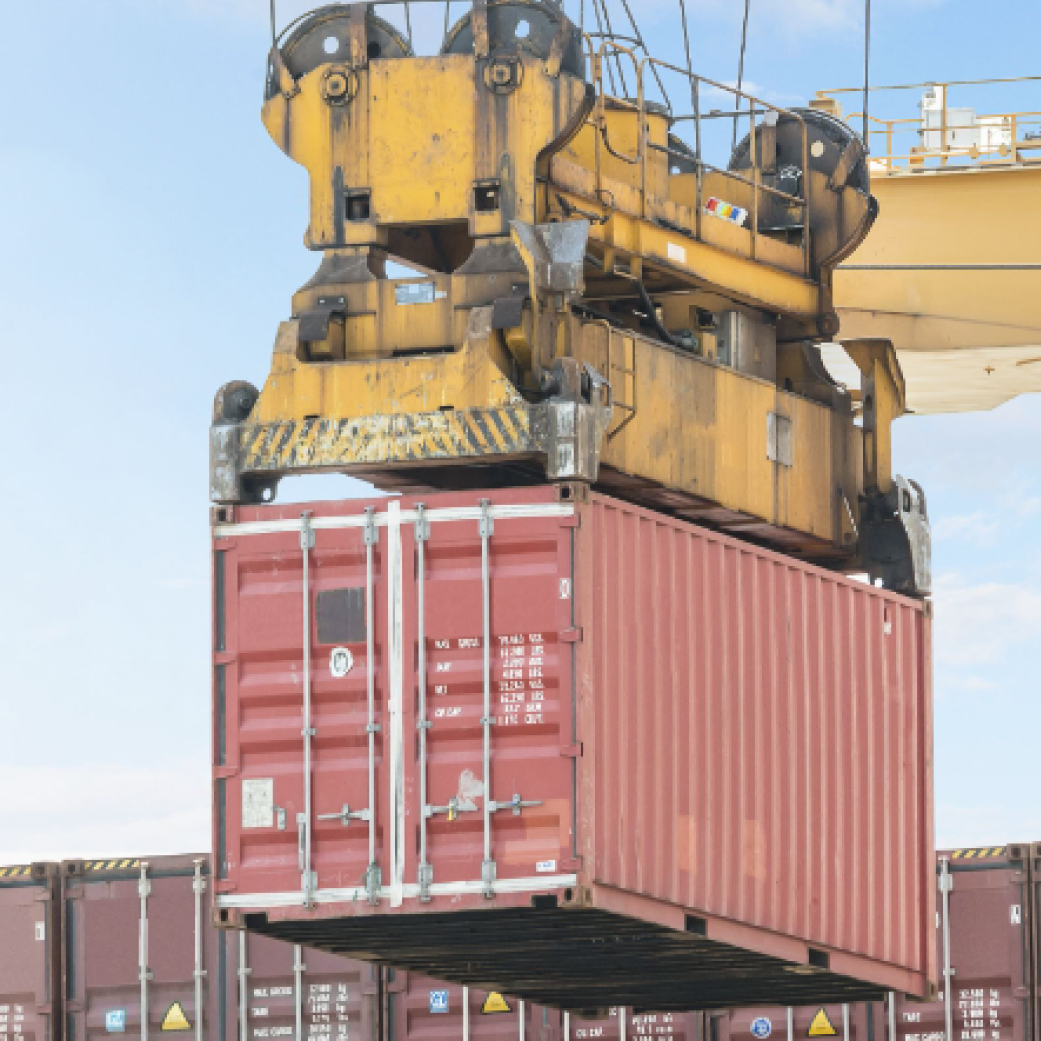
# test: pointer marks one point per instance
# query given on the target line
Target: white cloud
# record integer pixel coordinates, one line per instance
(981, 624)
(995, 824)
(64, 813)
(980, 528)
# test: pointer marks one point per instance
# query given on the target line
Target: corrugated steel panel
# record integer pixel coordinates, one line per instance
(761, 740)
(598, 721)
(30, 978)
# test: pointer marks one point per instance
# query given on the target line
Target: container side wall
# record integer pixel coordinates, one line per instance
(760, 735)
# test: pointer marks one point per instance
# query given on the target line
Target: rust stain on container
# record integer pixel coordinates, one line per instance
(697, 772)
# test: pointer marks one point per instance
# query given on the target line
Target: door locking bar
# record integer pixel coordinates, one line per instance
(373, 876)
(307, 732)
(425, 873)
(487, 527)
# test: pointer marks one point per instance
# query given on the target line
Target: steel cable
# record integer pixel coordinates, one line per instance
(741, 76)
(603, 36)
(617, 56)
(640, 43)
(867, 62)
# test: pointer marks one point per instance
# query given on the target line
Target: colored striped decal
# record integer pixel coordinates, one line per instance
(978, 854)
(422, 437)
(110, 865)
(15, 872)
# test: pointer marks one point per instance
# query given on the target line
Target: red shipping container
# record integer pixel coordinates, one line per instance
(864, 1022)
(138, 935)
(572, 749)
(428, 1010)
(983, 936)
(30, 972)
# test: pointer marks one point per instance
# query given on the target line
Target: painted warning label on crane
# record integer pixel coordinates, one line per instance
(175, 1019)
(821, 1025)
(494, 1003)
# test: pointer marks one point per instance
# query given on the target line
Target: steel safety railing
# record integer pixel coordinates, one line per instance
(747, 107)
(1004, 137)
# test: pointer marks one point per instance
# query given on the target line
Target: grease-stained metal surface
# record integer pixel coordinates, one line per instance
(409, 438)
(538, 211)
(699, 772)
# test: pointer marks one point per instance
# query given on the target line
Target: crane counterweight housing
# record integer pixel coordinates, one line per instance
(587, 297)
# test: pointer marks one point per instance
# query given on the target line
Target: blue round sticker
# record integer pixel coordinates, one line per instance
(762, 1027)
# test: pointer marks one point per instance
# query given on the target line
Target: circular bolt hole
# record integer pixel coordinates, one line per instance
(523, 30)
(330, 45)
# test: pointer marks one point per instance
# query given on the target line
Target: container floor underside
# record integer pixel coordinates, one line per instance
(573, 960)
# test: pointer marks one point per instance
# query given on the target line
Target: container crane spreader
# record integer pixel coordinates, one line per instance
(593, 301)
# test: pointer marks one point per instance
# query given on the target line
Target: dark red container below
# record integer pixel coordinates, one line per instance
(30, 970)
(570, 749)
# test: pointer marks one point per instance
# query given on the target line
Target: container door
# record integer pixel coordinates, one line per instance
(487, 766)
(285, 992)
(431, 1010)
(983, 938)
(140, 951)
(860, 1022)
(300, 695)
(29, 992)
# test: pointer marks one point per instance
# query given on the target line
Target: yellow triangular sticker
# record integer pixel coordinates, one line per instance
(175, 1019)
(495, 1002)
(821, 1025)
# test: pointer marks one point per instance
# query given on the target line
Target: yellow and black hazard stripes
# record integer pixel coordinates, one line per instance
(390, 439)
(110, 865)
(978, 853)
(15, 872)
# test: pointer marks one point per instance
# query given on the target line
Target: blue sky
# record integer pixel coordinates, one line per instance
(151, 241)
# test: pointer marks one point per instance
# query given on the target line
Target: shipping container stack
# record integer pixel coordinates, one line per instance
(86, 946)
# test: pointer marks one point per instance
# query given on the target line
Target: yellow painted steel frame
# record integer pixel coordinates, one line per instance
(413, 152)
(403, 143)
(732, 449)
(761, 461)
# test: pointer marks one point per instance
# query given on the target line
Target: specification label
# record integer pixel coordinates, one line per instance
(518, 663)
(12, 1022)
(325, 1012)
(979, 1015)
(648, 1028)
(641, 1028)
